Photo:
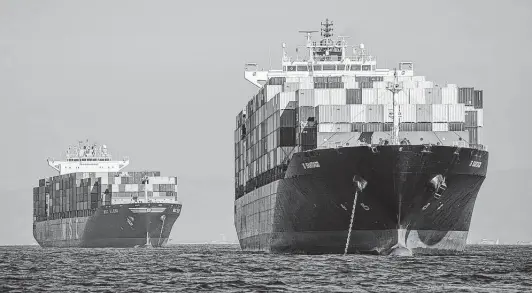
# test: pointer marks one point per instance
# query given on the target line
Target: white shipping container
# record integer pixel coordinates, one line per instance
(333, 113)
(388, 113)
(440, 126)
(334, 127)
(349, 82)
(290, 86)
(449, 95)
(305, 97)
(321, 97)
(287, 100)
(384, 97)
(306, 82)
(480, 117)
(369, 96)
(338, 96)
(380, 84)
(408, 113)
(272, 90)
(375, 113)
(357, 113)
(132, 188)
(403, 98)
(417, 96)
(456, 113)
(440, 113)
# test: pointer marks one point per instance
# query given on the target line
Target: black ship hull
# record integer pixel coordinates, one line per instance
(128, 225)
(412, 196)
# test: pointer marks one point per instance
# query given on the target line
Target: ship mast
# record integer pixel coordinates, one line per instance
(395, 87)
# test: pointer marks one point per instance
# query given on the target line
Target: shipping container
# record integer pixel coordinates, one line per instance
(287, 118)
(276, 80)
(357, 126)
(306, 82)
(388, 113)
(471, 119)
(334, 127)
(305, 97)
(456, 126)
(305, 116)
(478, 100)
(271, 90)
(349, 82)
(440, 113)
(338, 96)
(375, 113)
(466, 95)
(387, 126)
(403, 98)
(357, 113)
(424, 113)
(333, 114)
(380, 84)
(384, 97)
(449, 95)
(408, 113)
(480, 117)
(439, 126)
(456, 112)
(308, 136)
(407, 126)
(372, 127)
(287, 136)
(321, 97)
(475, 135)
(423, 126)
(286, 101)
(369, 96)
(432, 96)
(290, 86)
(418, 95)
(354, 96)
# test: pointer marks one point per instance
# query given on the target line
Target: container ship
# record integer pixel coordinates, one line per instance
(335, 155)
(93, 203)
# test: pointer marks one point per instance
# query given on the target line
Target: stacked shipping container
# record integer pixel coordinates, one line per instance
(288, 114)
(80, 194)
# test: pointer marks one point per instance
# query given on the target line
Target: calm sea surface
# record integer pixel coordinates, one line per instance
(224, 268)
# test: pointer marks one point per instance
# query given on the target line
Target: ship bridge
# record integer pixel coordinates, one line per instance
(327, 57)
(87, 157)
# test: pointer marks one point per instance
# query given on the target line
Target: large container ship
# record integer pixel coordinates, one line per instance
(335, 155)
(93, 203)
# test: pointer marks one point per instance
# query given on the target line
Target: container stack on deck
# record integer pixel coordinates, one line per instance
(79, 194)
(291, 114)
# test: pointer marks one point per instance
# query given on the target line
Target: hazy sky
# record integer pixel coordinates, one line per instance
(162, 81)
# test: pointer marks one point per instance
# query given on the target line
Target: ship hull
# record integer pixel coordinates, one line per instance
(127, 225)
(310, 210)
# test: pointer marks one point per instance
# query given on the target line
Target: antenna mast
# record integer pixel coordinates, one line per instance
(395, 87)
(309, 44)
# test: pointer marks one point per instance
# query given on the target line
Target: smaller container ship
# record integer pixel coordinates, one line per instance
(93, 203)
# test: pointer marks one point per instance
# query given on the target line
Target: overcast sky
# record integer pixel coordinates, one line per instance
(162, 81)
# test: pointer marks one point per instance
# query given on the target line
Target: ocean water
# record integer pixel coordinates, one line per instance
(224, 268)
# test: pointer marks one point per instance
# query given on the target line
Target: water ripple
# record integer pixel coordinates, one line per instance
(224, 268)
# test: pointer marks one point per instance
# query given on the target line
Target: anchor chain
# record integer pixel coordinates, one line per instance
(351, 223)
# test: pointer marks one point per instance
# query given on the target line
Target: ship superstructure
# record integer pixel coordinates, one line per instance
(93, 203)
(331, 147)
